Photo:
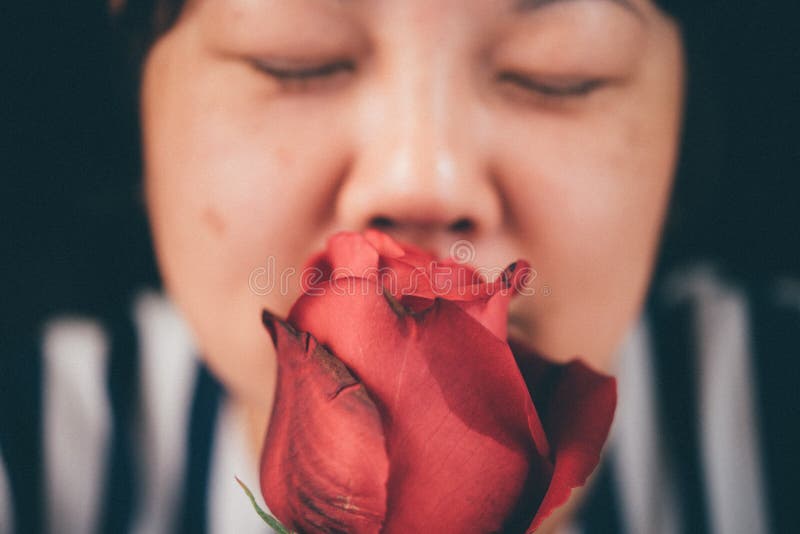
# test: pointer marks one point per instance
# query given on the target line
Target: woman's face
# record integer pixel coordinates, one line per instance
(536, 129)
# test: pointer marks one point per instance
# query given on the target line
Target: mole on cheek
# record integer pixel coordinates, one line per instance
(214, 221)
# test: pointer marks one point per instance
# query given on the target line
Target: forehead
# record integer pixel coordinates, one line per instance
(326, 16)
(515, 7)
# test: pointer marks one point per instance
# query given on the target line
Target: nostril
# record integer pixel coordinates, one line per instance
(462, 225)
(381, 223)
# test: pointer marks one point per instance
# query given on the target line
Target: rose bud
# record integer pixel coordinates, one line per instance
(401, 407)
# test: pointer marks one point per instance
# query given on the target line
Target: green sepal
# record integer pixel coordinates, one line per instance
(270, 520)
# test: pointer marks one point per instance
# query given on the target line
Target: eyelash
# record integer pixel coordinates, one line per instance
(301, 78)
(553, 89)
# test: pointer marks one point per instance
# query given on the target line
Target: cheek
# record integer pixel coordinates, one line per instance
(590, 207)
(226, 168)
(602, 204)
(233, 187)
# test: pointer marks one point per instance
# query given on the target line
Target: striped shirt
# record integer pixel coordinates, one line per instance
(113, 425)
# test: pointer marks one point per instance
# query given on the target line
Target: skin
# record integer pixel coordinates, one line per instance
(549, 135)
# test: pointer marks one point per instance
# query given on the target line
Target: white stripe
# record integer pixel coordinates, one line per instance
(6, 525)
(167, 372)
(77, 422)
(230, 509)
(647, 499)
(729, 446)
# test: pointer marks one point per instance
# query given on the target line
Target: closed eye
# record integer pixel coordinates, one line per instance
(319, 71)
(553, 87)
(304, 79)
(301, 79)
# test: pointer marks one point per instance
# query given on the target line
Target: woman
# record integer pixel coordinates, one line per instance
(547, 130)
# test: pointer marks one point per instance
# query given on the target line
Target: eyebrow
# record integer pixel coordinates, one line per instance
(522, 6)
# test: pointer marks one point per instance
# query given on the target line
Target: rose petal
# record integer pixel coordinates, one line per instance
(459, 434)
(577, 407)
(386, 246)
(324, 464)
(491, 309)
(485, 301)
(352, 254)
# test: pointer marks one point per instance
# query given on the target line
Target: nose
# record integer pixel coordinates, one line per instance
(419, 171)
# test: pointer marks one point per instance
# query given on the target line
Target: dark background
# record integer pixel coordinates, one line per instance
(74, 235)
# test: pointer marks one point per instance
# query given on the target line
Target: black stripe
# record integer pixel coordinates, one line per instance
(675, 365)
(776, 343)
(600, 511)
(120, 489)
(21, 433)
(193, 518)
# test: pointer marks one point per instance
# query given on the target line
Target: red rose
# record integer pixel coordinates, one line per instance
(401, 407)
